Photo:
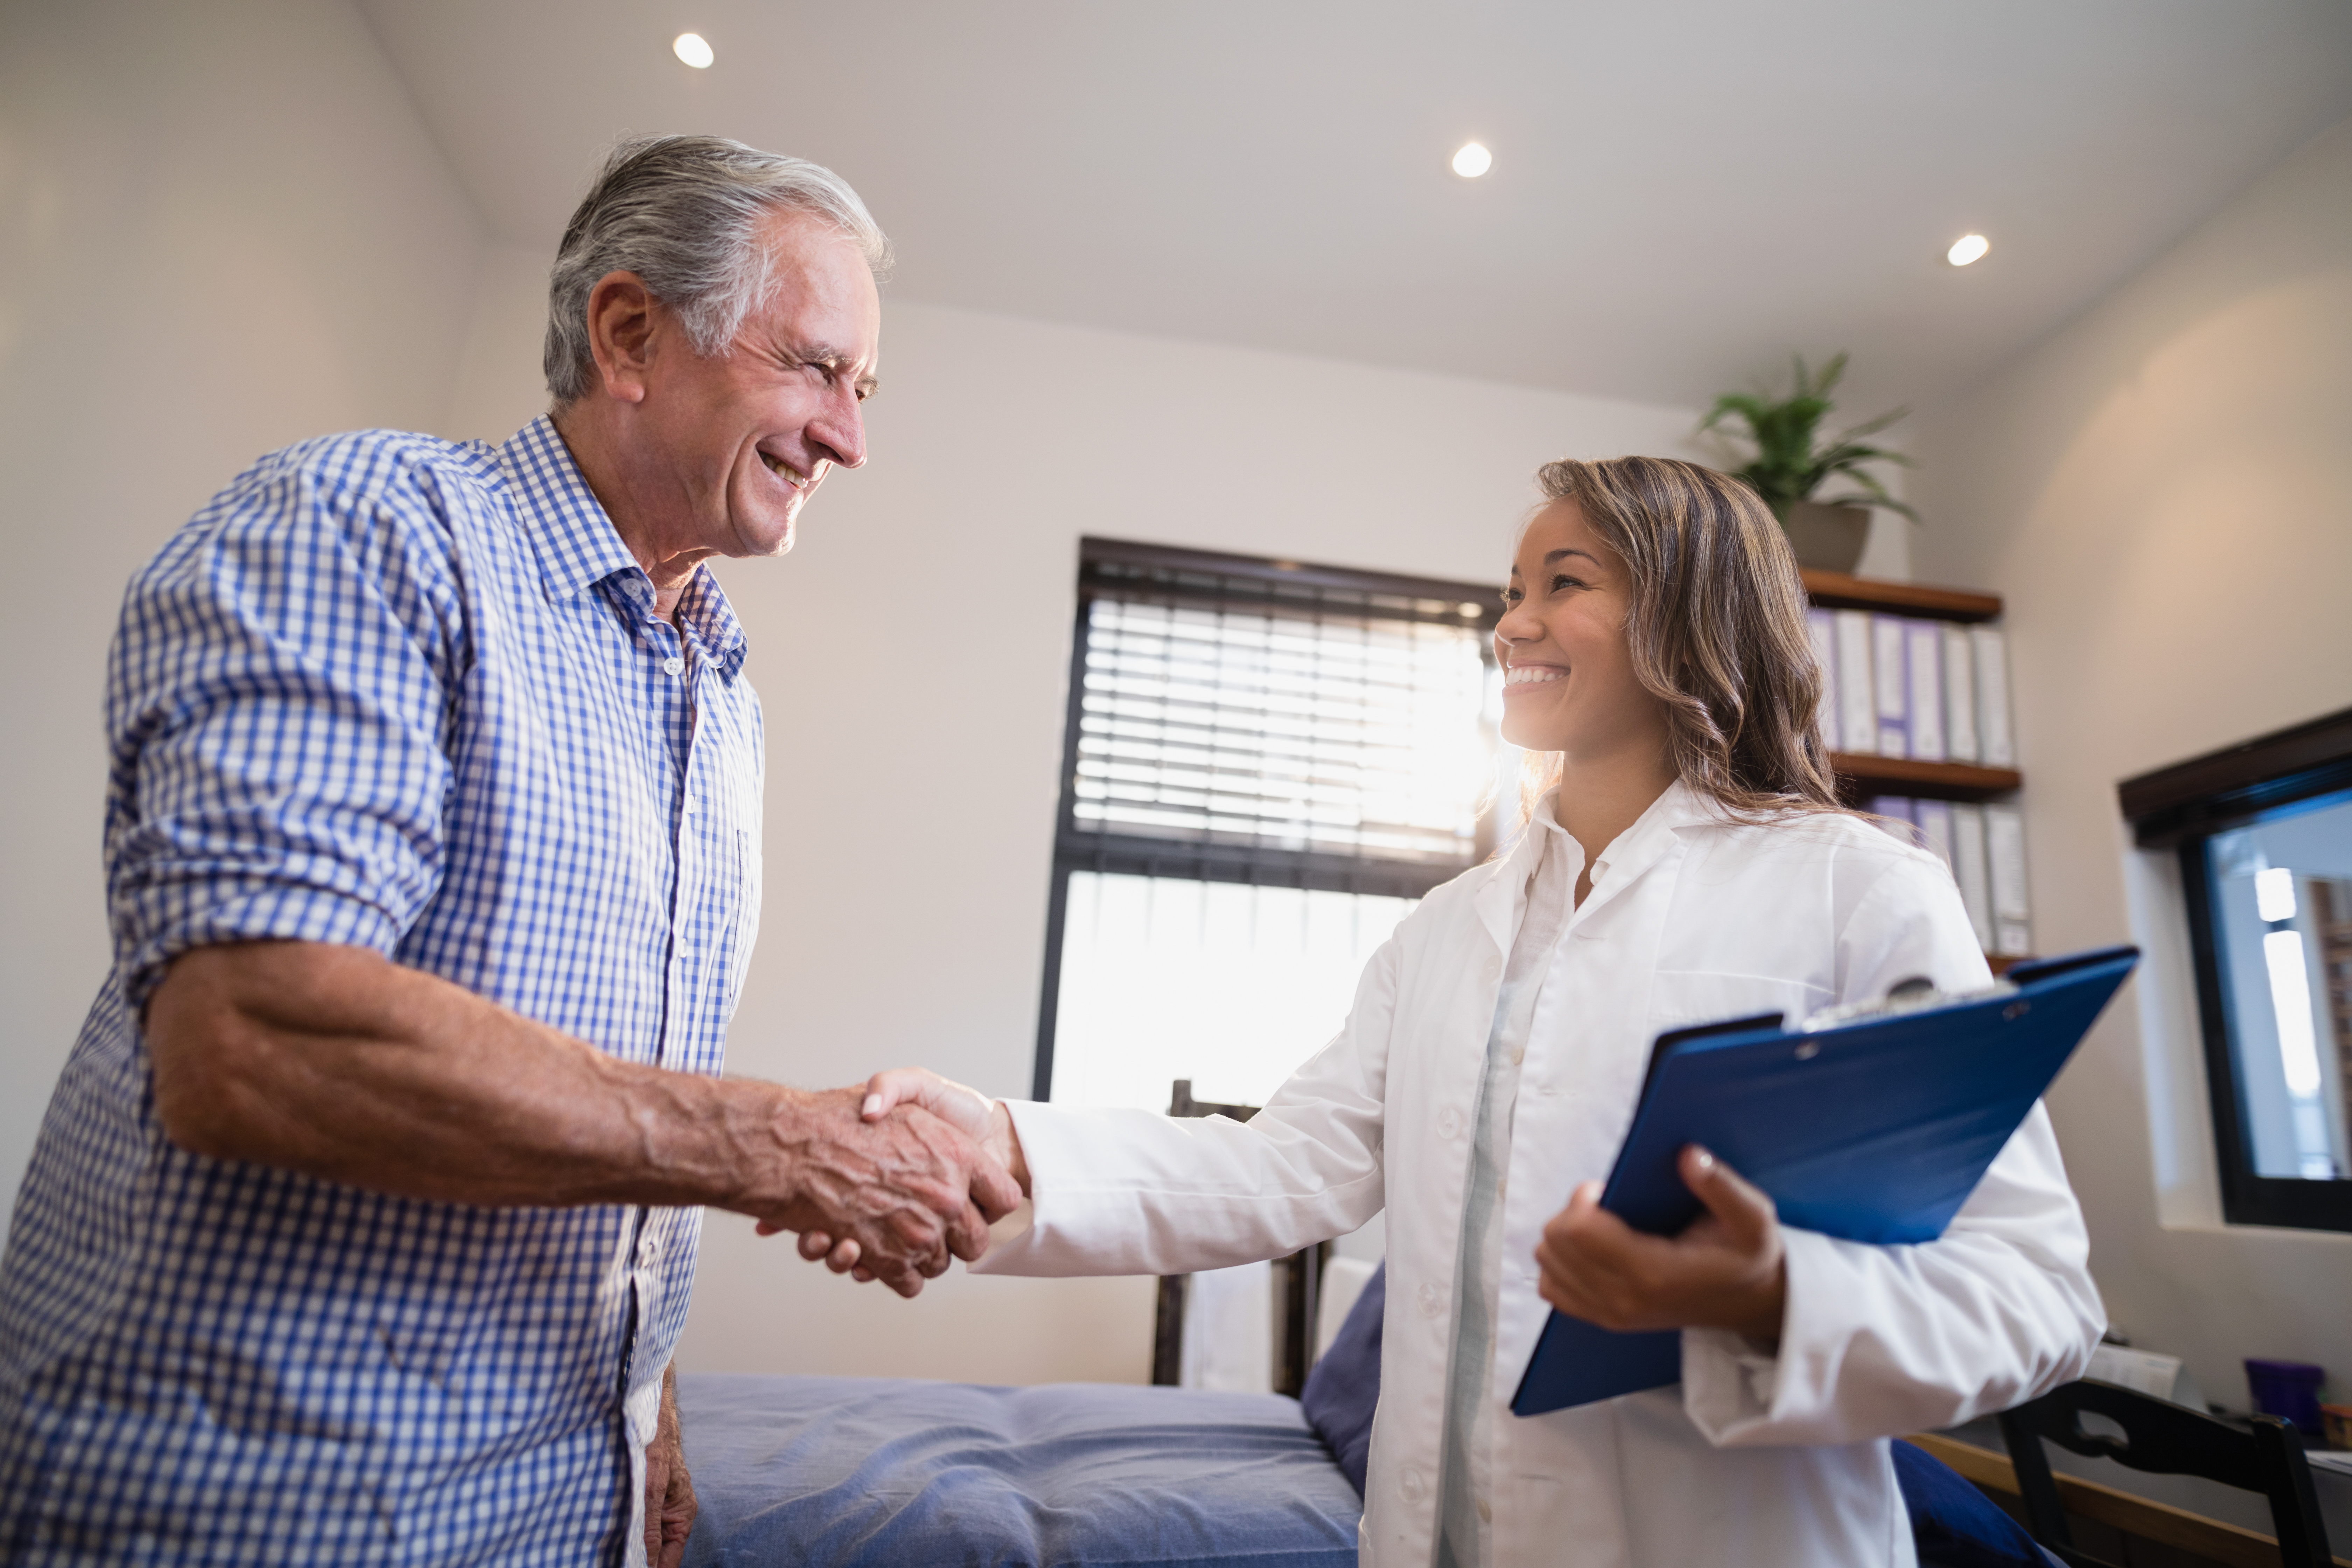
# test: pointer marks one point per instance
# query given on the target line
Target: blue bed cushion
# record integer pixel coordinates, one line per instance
(882, 1471)
(1956, 1525)
(1345, 1386)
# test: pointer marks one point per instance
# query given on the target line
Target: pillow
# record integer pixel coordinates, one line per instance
(1956, 1525)
(1345, 1386)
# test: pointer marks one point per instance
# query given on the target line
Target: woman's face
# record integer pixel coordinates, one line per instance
(1569, 681)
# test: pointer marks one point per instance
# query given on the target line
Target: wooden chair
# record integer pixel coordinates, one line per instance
(1297, 1276)
(2163, 1438)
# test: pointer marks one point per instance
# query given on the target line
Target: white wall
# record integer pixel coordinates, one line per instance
(2164, 494)
(221, 229)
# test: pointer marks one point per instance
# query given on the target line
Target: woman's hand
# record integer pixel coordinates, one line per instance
(1729, 1270)
(983, 1121)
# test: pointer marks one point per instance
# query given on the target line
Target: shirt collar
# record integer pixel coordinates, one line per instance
(1627, 856)
(579, 547)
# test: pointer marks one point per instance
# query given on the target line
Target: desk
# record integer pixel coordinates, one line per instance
(2188, 1512)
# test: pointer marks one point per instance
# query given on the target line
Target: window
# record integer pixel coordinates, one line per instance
(1266, 763)
(2264, 836)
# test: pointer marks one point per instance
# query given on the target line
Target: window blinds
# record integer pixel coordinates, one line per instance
(1282, 727)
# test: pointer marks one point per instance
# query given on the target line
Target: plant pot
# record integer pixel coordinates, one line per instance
(1828, 537)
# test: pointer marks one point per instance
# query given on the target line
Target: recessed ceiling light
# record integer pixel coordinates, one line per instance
(1967, 248)
(691, 48)
(1473, 161)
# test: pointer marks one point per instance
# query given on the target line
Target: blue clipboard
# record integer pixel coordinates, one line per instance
(1873, 1131)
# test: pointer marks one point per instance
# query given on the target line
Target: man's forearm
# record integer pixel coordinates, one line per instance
(337, 1062)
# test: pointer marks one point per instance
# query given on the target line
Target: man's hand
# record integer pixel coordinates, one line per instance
(1729, 1270)
(898, 1191)
(670, 1504)
(983, 1121)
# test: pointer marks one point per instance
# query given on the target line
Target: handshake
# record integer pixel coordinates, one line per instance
(888, 1181)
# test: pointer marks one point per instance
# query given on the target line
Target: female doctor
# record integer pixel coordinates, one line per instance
(1687, 862)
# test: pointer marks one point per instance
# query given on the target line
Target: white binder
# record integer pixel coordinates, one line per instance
(1993, 734)
(1960, 743)
(1820, 628)
(2013, 930)
(1935, 820)
(1924, 649)
(1889, 648)
(1857, 688)
(1969, 870)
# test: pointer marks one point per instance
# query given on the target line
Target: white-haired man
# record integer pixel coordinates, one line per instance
(361, 1224)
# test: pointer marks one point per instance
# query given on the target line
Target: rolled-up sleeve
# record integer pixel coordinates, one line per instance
(278, 715)
(1879, 1340)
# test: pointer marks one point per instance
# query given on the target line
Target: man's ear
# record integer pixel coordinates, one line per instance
(621, 322)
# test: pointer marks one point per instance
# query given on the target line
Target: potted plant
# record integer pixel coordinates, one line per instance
(1791, 462)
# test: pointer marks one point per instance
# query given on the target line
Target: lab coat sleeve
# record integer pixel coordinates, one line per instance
(1127, 1191)
(1879, 1340)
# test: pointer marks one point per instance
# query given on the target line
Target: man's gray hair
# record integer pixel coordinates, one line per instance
(684, 213)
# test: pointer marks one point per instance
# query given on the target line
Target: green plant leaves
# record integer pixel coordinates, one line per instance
(1791, 460)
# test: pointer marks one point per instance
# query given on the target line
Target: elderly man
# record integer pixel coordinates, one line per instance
(361, 1224)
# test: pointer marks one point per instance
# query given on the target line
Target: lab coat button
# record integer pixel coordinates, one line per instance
(1411, 1487)
(1449, 1123)
(1431, 1302)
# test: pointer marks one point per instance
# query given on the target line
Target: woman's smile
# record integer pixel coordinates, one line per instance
(1518, 679)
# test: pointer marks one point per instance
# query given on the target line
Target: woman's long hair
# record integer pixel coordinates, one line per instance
(1716, 632)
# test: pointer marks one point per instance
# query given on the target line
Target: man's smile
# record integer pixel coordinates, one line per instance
(787, 473)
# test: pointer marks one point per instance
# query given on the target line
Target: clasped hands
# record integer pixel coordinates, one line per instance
(893, 1190)
(1727, 1270)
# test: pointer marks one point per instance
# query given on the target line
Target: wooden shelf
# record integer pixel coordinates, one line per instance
(1937, 780)
(1838, 591)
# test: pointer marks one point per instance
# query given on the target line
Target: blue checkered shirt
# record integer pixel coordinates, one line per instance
(411, 696)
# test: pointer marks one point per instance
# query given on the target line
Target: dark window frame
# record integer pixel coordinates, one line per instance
(2181, 808)
(1126, 568)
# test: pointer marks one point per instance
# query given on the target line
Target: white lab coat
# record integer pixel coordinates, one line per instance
(1766, 1458)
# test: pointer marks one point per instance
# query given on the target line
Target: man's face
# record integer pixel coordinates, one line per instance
(739, 442)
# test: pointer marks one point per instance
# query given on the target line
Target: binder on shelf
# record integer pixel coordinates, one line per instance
(1924, 653)
(1857, 687)
(1897, 809)
(1960, 742)
(1969, 871)
(1872, 1129)
(1935, 820)
(1820, 629)
(1889, 644)
(2012, 914)
(1994, 738)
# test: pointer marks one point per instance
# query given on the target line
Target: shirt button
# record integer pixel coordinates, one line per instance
(1518, 1056)
(1431, 1302)
(1486, 1511)
(1449, 1123)
(673, 665)
(1410, 1486)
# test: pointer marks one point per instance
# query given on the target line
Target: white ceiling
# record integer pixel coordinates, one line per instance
(1684, 191)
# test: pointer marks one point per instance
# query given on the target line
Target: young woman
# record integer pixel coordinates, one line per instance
(1684, 861)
